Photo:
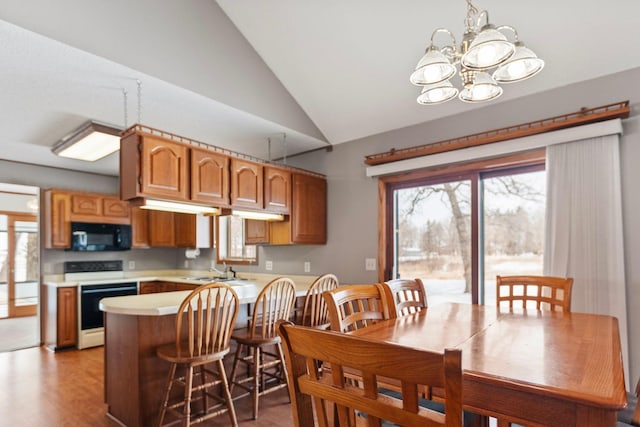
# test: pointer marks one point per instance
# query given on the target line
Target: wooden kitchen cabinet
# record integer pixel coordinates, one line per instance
(179, 230)
(162, 286)
(256, 232)
(309, 209)
(61, 207)
(99, 208)
(60, 317)
(139, 228)
(57, 219)
(277, 189)
(162, 229)
(307, 222)
(113, 207)
(247, 184)
(151, 166)
(67, 322)
(209, 177)
(185, 230)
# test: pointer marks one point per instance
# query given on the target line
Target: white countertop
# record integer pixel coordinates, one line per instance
(163, 303)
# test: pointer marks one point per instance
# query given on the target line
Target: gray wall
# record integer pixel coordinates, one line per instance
(352, 211)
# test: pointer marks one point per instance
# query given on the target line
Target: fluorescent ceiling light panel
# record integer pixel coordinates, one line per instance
(264, 216)
(90, 142)
(163, 205)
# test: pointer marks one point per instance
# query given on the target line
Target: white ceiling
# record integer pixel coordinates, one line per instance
(336, 70)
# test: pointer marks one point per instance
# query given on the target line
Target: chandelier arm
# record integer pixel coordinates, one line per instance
(484, 14)
(510, 28)
(451, 47)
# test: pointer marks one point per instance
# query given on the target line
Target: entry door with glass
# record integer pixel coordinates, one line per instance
(18, 265)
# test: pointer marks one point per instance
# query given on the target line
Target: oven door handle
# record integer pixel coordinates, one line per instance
(103, 290)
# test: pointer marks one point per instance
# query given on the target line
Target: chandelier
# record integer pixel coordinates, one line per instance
(484, 48)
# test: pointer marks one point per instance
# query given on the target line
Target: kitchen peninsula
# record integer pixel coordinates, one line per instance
(134, 327)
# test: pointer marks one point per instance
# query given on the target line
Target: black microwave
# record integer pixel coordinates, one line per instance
(86, 236)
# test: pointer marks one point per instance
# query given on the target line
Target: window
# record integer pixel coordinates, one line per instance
(230, 241)
(457, 231)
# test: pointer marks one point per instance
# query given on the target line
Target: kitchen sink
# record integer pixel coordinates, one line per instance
(213, 279)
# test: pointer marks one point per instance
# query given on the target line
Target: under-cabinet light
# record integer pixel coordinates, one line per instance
(90, 142)
(163, 205)
(263, 216)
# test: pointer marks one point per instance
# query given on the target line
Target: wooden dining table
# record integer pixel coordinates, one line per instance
(532, 367)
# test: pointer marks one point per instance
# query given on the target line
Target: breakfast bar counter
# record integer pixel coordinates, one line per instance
(135, 326)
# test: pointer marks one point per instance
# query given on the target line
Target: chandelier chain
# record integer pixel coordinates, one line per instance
(139, 101)
(126, 115)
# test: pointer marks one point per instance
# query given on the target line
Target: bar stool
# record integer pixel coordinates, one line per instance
(314, 313)
(207, 317)
(275, 302)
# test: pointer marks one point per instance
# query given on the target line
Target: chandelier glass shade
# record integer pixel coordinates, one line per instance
(485, 58)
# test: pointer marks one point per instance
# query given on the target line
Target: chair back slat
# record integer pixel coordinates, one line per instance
(414, 369)
(353, 307)
(314, 312)
(275, 302)
(210, 312)
(539, 292)
(408, 295)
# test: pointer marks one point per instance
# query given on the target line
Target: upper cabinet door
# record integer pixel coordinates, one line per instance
(309, 210)
(209, 177)
(114, 207)
(277, 189)
(164, 168)
(246, 184)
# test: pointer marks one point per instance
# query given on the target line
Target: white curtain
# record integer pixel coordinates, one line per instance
(584, 235)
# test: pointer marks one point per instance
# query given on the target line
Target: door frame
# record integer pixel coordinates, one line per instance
(13, 310)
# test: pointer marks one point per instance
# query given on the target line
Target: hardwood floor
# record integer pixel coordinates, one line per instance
(42, 388)
(18, 332)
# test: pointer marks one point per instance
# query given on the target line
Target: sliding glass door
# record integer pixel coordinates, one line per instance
(457, 234)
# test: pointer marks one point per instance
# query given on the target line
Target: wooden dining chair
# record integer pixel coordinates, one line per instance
(408, 295)
(314, 313)
(630, 416)
(324, 391)
(539, 292)
(204, 323)
(259, 346)
(352, 307)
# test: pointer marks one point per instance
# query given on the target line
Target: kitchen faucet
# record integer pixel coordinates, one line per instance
(221, 273)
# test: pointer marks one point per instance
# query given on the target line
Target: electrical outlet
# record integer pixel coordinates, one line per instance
(307, 266)
(132, 265)
(186, 263)
(370, 264)
(268, 265)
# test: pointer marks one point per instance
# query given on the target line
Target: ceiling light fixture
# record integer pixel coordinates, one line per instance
(90, 142)
(188, 208)
(262, 216)
(483, 48)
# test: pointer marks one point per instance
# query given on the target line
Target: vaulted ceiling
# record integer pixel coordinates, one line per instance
(302, 74)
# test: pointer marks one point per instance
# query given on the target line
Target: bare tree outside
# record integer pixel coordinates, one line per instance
(434, 231)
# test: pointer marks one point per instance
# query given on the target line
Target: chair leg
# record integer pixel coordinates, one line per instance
(227, 394)
(283, 368)
(203, 381)
(165, 400)
(188, 388)
(236, 361)
(256, 380)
